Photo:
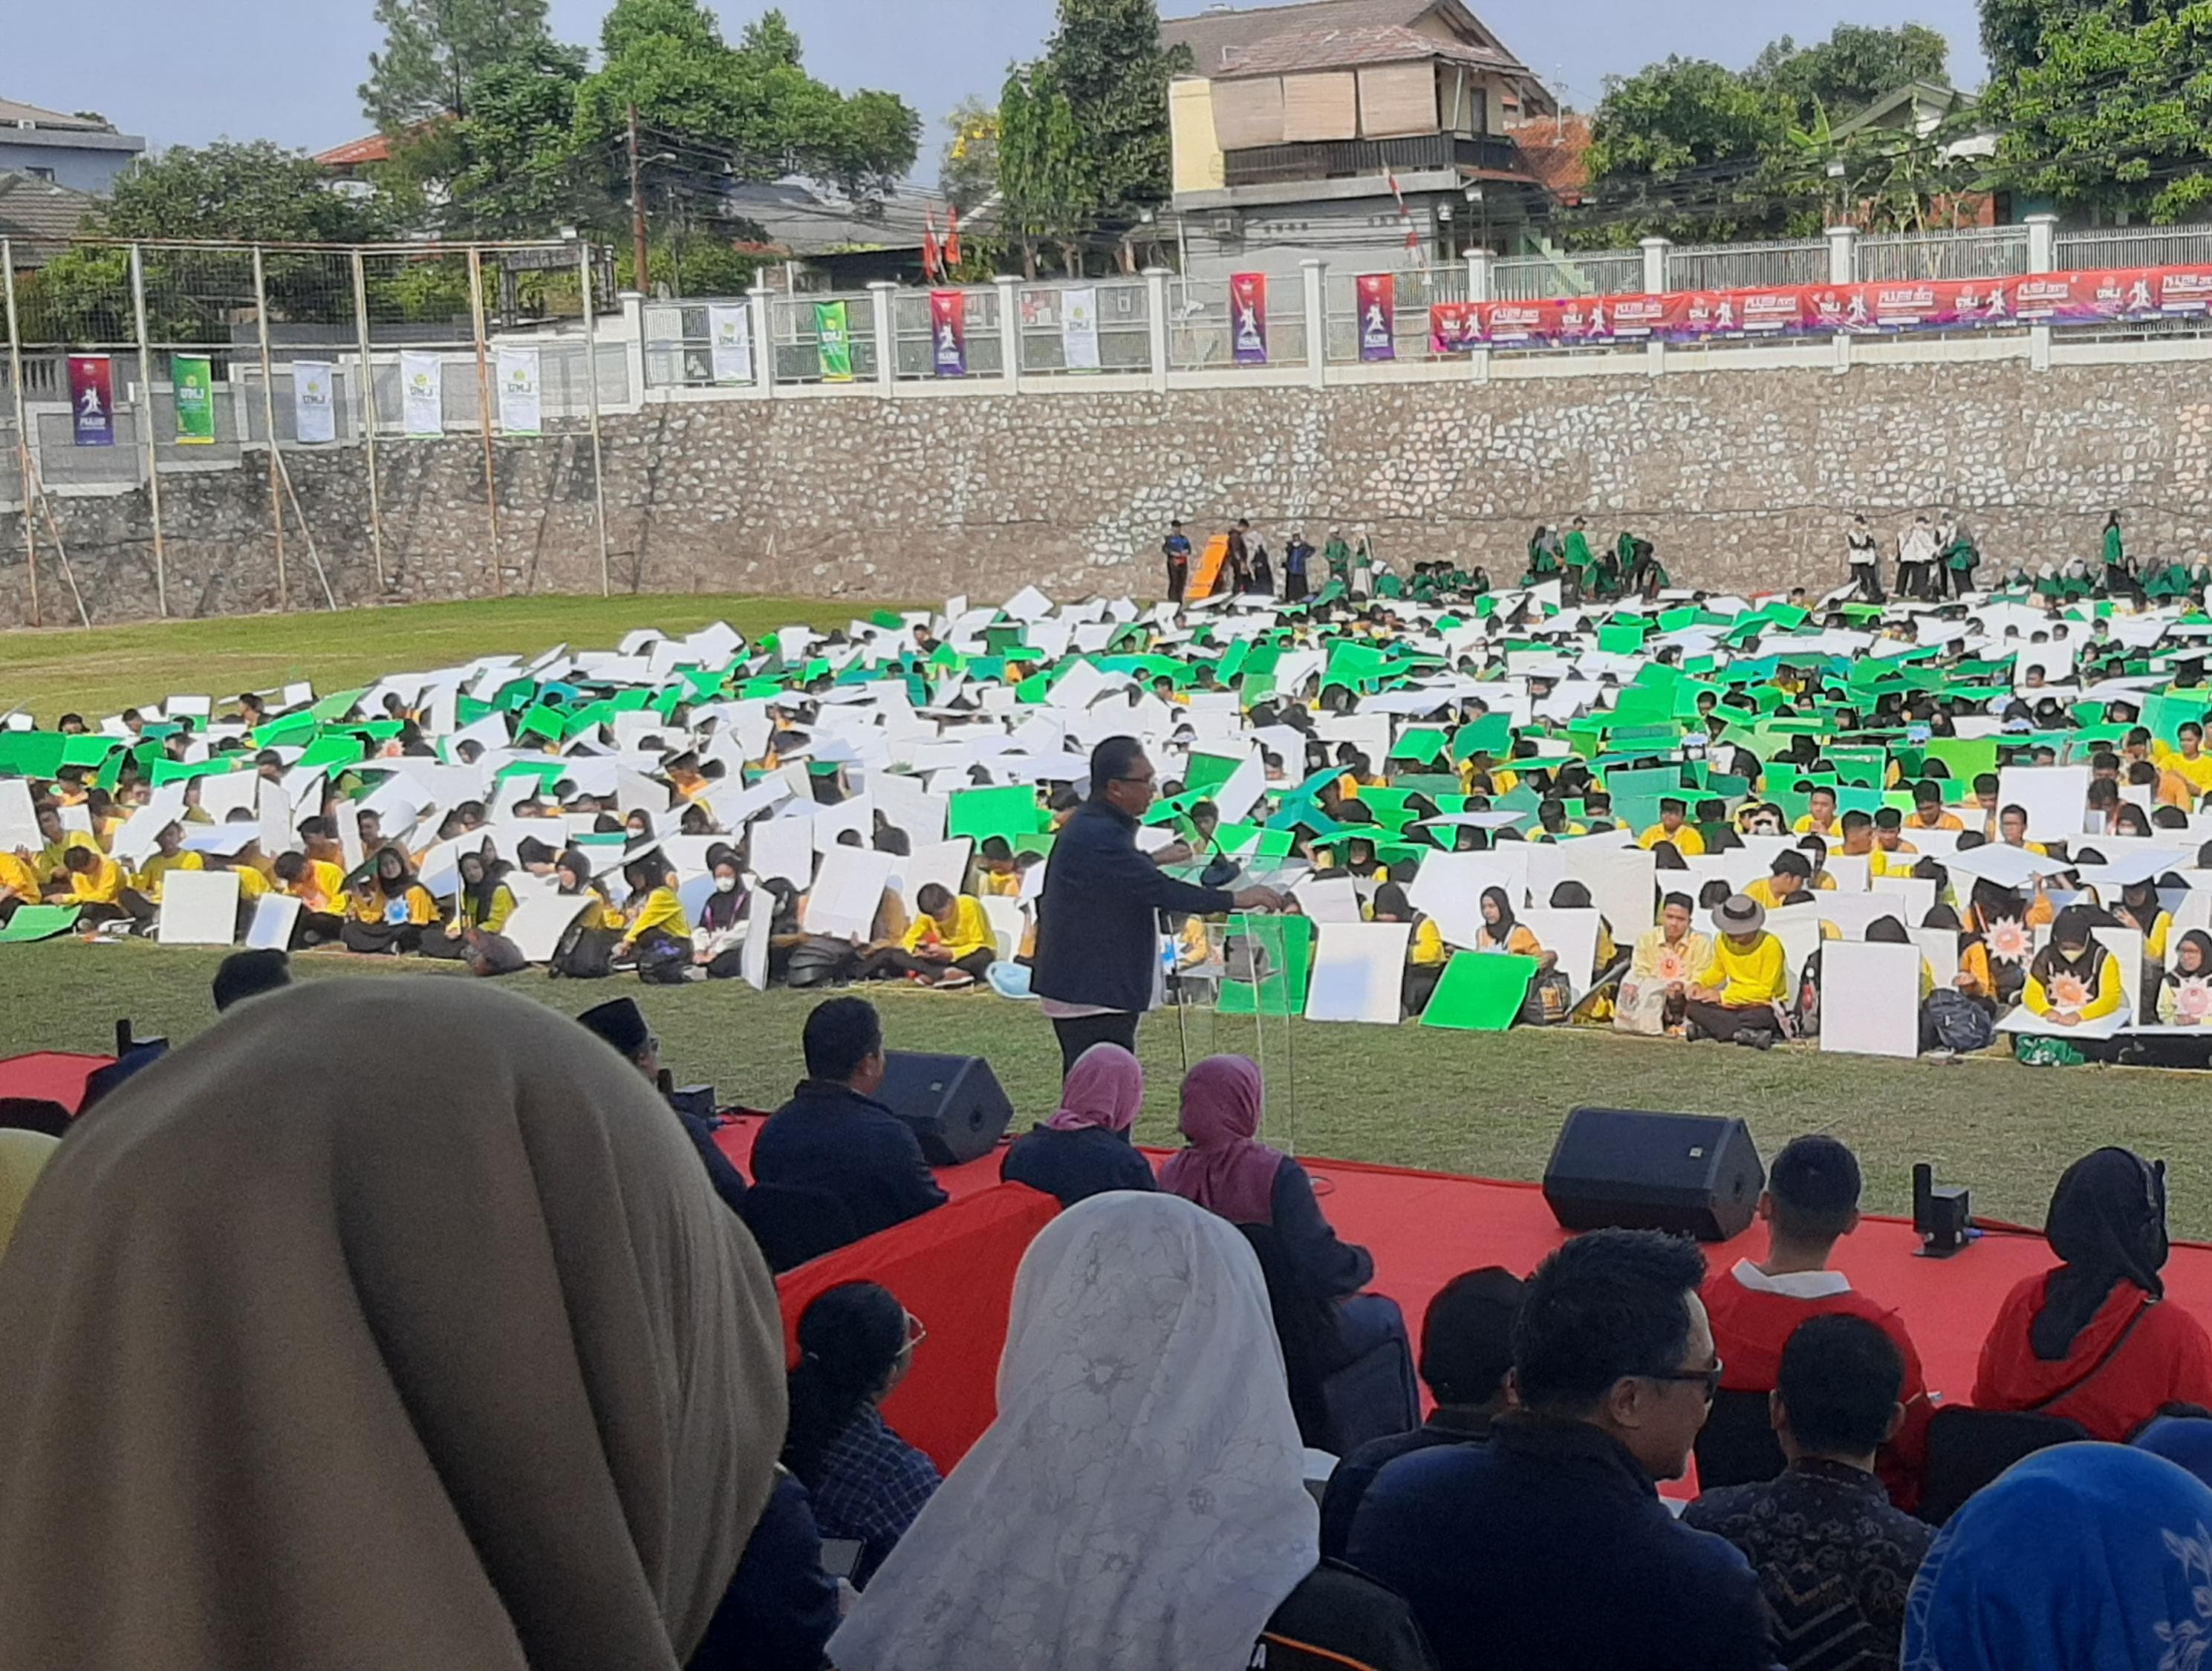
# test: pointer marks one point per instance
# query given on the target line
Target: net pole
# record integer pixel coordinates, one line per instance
(146, 421)
(268, 425)
(23, 426)
(483, 413)
(592, 386)
(367, 402)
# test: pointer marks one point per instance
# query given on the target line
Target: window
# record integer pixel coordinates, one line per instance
(45, 174)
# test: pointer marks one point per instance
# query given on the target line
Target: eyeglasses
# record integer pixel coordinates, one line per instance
(1711, 1377)
(1149, 780)
(915, 1333)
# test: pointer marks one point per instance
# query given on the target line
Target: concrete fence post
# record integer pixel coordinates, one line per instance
(2042, 257)
(1156, 321)
(1654, 283)
(1010, 331)
(1843, 269)
(880, 292)
(1478, 290)
(764, 330)
(1315, 271)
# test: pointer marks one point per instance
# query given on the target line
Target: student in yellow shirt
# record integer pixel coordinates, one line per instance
(2073, 979)
(1820, 820)
(1737, 996)
(1673, 826)
(1893, 854)
(995, 876)
(19, 882)
(2012, 830)
(1426, 951)
(2139, 909)
(658, 935)
(169, 855)
(388, 909)
(949, 943)
(574, 870)
(56, 843)
(93, 883)
(321, 889)
(1928, 812)
(1858, 837)
(2190, 762)
(1790, 877)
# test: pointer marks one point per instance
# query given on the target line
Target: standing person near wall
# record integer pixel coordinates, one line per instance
(1865, 554)
(1175, 548)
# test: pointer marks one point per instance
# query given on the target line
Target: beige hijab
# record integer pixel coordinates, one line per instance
(23, 1155)
(390, 1323)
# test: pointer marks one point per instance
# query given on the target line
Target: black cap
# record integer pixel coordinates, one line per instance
(621, 1024)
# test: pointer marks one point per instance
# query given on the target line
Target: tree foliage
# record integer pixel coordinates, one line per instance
(968, 170)
(1675, 150)
(258, 192)
(435, 49)
(508, 168)
(1852, 68)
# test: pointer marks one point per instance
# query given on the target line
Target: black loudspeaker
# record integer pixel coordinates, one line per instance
(1693, 1174)
(954, 1104)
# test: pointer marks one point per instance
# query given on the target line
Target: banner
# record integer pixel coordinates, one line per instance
(521, 405)
(422, 394)
(730, 338)
(1078, 329)
(833, 334)
(1248, 317)
(1376, 295)
(192, 380)
(1455, 327)
(948, 333)
(92, 400)
(314, 402)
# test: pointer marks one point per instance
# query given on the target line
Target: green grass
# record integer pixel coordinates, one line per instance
(103, 670)
(1488, 1104)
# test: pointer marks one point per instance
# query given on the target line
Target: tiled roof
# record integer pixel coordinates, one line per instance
(38, 209)
(1343, 49)
(1554, 151)
(375, 148)
(1219, 26)
(13, 112)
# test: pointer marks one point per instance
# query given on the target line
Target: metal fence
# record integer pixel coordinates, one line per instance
(1746, 266)
(1968, 252)
(1413, 290)
(2134, 247)
(1543, 277)
(321, 348)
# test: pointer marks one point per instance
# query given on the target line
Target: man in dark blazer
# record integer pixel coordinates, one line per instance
(1096, 968)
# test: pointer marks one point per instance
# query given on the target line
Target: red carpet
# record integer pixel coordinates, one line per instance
(50, 1076)
(1424, 1228)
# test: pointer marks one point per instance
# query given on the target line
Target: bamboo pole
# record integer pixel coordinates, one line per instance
(483, 414)
(366, 395)
(592, 383)
(23, 426)
(146, 421)
(268, 424)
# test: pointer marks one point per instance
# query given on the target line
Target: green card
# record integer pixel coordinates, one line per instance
(1010, 811)
(1480, 991)
(37, 922)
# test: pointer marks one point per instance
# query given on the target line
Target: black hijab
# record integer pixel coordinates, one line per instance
(1502, 929)
(2108, 1222)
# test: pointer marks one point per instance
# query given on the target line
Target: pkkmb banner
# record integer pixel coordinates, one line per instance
(1376, 294)
(422, 394)
(191, 378)
(1455, 327)
(522, 403)
(833, 335)
(1078, 329)
(92, 400)
(314, 401)
(730, 343)
(1247, 317)
(948, 333)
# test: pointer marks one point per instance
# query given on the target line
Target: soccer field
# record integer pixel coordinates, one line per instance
(1489, 1104)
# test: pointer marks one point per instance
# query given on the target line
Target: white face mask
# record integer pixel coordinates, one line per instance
(725, 884)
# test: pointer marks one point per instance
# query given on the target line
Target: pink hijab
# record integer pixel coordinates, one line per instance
(1105, 1089)
(1225, 1169)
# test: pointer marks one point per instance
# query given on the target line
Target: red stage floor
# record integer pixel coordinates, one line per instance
(1424, 1228)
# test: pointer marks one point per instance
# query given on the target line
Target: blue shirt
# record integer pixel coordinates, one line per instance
(872, 1484)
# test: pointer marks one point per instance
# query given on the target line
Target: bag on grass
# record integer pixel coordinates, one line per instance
(1958, 1023)
(2032, 1050)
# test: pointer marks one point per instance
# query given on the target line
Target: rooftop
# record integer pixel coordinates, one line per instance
(1344, 48)
(373, 147)
(37, 210)
(15, 114)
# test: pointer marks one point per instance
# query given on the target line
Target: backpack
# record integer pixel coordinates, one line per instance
(819, 960)
(1958, 1024)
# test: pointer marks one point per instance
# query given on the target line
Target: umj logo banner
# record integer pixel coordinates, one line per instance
(91, 399)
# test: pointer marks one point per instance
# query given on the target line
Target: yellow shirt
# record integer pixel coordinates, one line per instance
(661, 910)
(1520, 941)
(992, 885)
(1763, 891)
(1426, 949)
(102, 885)
(1943, 821)
(1884, 862)
(17, 877)
(1745, 976)
(2111, 993)
(2198, 772)
(970, 931)
(420, 907)
(599, 914)
(1805, 826)
(252, 884)
(1686, 841)
(150, 879)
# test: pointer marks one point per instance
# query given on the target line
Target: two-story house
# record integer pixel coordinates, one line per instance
(81, 153)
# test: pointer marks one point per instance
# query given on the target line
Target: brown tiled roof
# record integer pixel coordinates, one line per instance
(40, 209)
(1342, 49)
(1241, 30)
(1555, 152)
(376, 147)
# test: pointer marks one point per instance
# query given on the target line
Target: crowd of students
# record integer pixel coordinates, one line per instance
(486, 1368)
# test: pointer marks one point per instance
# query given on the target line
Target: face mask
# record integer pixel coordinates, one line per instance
(725, 884)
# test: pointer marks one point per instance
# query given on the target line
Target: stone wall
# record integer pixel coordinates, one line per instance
(1742, 478)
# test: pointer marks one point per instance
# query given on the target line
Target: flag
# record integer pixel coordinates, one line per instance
(191, 376)
(834, 341)
(952, 236)
(1392, 178)
(92, 400)
(931, 260)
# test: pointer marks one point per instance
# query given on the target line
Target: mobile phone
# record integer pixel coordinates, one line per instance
(840, 1556)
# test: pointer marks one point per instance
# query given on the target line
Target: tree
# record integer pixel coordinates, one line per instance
(2109, 109)
(257, 193)
(2013, 31)
(1676, 150)
(1851, 69)
(968, 171)
(1050, 192)
(435, 49)
(509, 167)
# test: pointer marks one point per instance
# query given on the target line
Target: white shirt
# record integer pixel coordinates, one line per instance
(1796, 1285)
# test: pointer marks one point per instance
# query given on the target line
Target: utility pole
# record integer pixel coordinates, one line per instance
(639, 275)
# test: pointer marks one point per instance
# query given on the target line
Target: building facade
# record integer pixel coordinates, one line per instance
(79, 153)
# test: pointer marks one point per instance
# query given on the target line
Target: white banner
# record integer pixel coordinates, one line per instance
(730, 331)
(1078, 329)
(314, 401)
(521, 410)
(422, 390)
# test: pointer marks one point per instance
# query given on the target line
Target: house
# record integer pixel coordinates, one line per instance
(83, 152)
(37, 217)
(1917, 111)
(1365, 132)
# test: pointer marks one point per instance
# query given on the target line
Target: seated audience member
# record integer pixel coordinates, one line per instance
(388, 909)
(622, 1024)
(23, 1156)
(1085, 1148)
(2094, 1340)
(834, 1136)
(1549, 1545)
(1737, 995)
(1502, 931)
(1810, 1203)
(1660, 968)
(1466, 1357)
(658, 939)
(856, 1343)
(2074, 979)
(1138, 1500)
(1834, 1556)
(949, 943)
(2080, 1558)
(437, 1239)
(245, 975)
(719, 946)
(2183, 1439)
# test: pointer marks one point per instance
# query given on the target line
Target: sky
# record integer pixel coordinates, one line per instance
(287, 70)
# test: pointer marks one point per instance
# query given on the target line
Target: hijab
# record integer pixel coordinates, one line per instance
(2081, 1558)
(2175, 974)
(721, 911)
(23, 1154)
(1225, 1169)
(495, 1381)
(2108, 1222)
(1138, 1501)
(2074, 927)
(2184, 1441)
(1502, 930)
(1104, 1089)
(392, 887)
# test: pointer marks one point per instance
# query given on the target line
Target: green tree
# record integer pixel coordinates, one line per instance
(1050, 195)
(2111, 110)
(253, 192)
(433, 49)
(1852, 68)
(1676, 149)
(509, 167)
(968, 170)
(2013, 31)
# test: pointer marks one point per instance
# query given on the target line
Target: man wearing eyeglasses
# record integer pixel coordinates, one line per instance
(1097, 968)
(1547, 1545)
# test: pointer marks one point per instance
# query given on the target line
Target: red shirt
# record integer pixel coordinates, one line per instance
(1750, 1329)
(2167, 1359)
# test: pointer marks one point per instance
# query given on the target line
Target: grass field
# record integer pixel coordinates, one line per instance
(1486, 1104)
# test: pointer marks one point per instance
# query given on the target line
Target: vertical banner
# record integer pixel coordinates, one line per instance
(91, 399)
(192, 379)
(833, 331)
(314, 402)
(948, 333)
(730, 339)
(1248, 317)
(422, 394)
(1078, 329)
(521, 405)
(1377, 300)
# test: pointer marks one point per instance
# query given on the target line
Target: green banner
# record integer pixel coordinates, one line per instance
(834, 333)
(192, 376)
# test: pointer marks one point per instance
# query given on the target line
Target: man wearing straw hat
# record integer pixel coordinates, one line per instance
(1738, 995)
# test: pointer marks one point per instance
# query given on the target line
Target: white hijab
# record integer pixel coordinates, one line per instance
(1137, 1502)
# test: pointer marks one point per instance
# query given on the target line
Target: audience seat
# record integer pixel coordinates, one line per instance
(1968, 1448)
(1737, 1446)
(794, 1224)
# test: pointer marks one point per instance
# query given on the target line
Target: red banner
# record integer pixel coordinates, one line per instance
(91, 399)
(1455, 327)
(1376, 296)
(1248, 317)
(948, 333)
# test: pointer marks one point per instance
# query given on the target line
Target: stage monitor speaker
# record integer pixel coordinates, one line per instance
(1694, 1174)
(954, 1104)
